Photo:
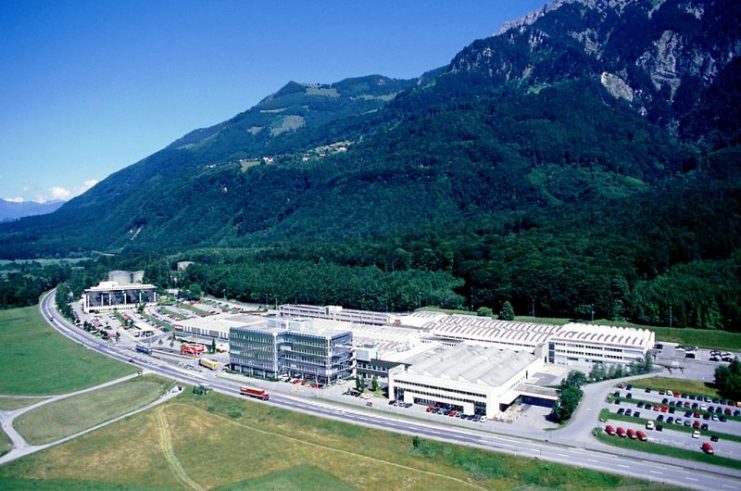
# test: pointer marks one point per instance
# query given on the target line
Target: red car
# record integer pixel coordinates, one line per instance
(664, 409)
(641, 436)
(677, 394)
(452, 414)
(631, 434)
(620, 432)
(697, 415)
(707, 448)
(696, 425)
(610, 430)
(429, 409)
(656, 407)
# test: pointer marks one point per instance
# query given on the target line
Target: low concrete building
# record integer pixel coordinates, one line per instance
(587, 344)
(474, 379)
(336, 313)
(109, 295)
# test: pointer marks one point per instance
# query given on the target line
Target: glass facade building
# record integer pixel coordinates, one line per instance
(325, 357)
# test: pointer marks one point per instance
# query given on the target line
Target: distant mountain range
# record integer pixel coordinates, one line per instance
(12, 210)
(578, 102)
(586, 156)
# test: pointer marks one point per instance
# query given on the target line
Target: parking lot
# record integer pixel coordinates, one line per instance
(677, 419)
(690, 362)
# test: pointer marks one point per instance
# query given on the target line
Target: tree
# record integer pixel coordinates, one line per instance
(728, 380)
(598, 372)
(568, 401)
(485, 312)
(213, 346)
(374, 383)
(507, 313)
(574, 379)
(118, 336)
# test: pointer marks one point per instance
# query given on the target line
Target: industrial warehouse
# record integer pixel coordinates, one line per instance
(476, 365)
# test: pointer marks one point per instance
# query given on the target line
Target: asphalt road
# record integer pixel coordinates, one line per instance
(607, 459)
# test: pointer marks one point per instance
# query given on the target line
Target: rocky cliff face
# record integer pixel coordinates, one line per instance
(659, 56)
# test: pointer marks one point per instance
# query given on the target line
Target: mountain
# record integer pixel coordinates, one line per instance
(12, 210)
(585, 154)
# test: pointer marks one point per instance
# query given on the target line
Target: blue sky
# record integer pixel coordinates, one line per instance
(89, 87)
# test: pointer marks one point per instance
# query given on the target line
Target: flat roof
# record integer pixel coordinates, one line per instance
(221, 322)
(310, 326)
(112, 285)
(470, 363)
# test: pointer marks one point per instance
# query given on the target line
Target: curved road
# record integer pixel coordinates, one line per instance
(563, 450)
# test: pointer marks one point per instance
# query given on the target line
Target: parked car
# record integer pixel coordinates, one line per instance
(713, 438)
(621, 411)
(628, 412)
(610, 430)
(704, 427)
(637, 414)
(659, 428)
(708, 448)
(660, 417)
(650, 425)
(670, 419)
(629, 395)
(641, 436)
(631, 434)
(696, 425)
(620, 432)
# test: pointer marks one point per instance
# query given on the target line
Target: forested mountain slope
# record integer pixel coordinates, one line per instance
(585, 155)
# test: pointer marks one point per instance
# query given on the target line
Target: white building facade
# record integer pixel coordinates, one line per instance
(473, 379)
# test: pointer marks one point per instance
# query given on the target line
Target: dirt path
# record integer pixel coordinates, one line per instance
(166, 445)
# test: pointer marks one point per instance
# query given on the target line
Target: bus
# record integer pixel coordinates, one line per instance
(210, 364)
(143, 349)
(256, 393)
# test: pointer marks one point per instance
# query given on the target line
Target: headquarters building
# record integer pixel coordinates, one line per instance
(292, 348)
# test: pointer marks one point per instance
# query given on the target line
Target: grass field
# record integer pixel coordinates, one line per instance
(34, 359)
(11, 403)
(69, 416)
(656, 448)
(677, 385)
(219, 442)
(4, 443)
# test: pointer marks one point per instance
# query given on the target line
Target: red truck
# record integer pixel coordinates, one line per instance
(191, 349)
(256, 393)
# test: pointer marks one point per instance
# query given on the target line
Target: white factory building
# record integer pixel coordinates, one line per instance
(517, 336)
(335, 313)
(587, 344)
(471, 378)
(110, 295)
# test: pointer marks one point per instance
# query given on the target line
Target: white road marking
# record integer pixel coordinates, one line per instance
(691, 478)
(624, 466)
(658, 473)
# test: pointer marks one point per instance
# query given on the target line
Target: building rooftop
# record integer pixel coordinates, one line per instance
(105, 286)
(222, 322)
(470, 363)
(609, 335)
(276, 325)
(417, 319)
(489, 330)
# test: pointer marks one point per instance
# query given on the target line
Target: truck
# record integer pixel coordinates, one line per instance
(210, 364)
(143, 349)
(191, 349)
(256, 393)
